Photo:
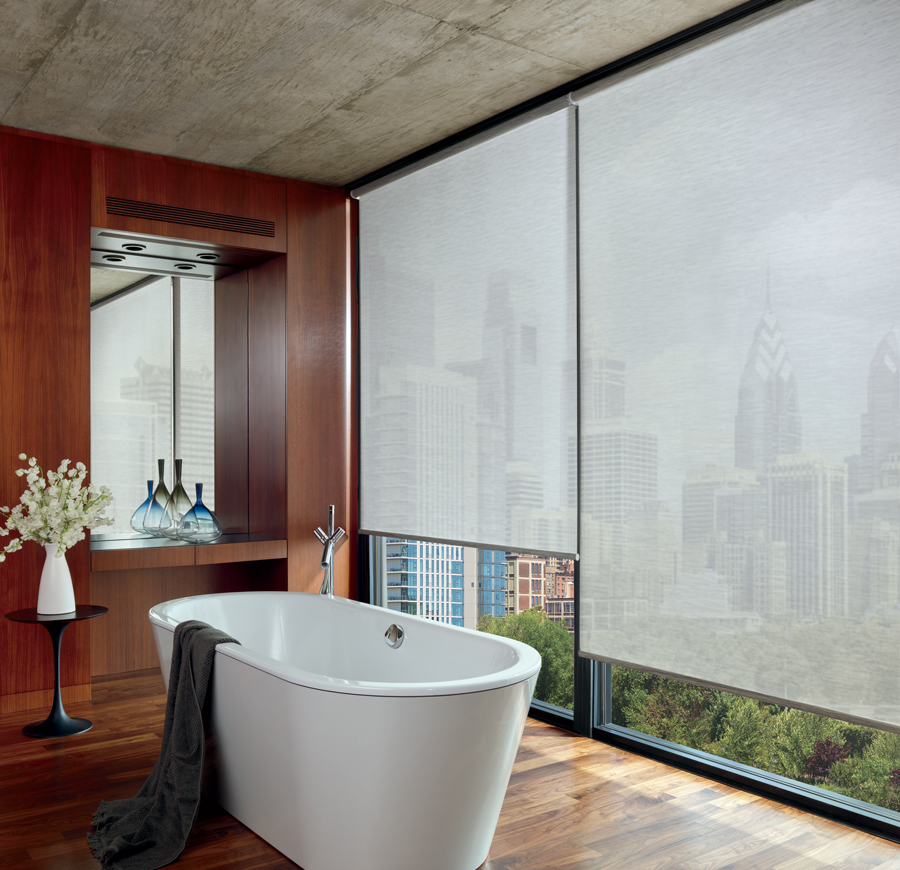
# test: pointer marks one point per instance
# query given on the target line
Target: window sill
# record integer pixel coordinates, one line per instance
(113, 553)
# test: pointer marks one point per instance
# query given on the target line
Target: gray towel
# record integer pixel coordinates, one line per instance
(149, 830)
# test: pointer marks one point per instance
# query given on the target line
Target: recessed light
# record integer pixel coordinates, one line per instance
(113, 258)
(134, 248)
(207, 256)
(185, 266)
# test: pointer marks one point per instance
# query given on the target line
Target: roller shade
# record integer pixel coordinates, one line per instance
(740, 436)
(467, 345)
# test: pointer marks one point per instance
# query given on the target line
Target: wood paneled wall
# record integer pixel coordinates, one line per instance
(319, 314)
(44, 378)
(232, 423)
(267, 398)
(126, 643)
(186, 184)
(284, 409)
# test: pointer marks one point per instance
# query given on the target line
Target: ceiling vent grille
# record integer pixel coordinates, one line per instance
(189, 216)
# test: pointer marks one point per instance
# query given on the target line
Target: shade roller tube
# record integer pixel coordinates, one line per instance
(472, 141)
(467, 345)
(740, 364)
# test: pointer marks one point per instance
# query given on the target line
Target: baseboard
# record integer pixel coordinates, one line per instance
(43, 698)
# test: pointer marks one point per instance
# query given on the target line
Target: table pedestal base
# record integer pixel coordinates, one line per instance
(57, 726)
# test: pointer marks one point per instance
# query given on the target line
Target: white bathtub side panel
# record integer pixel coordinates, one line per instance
(338, 781)
(164, 641)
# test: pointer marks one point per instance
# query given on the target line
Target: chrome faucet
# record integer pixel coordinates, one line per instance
(329, 540)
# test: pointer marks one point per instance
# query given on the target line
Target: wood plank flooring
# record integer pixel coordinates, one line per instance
(572, 804)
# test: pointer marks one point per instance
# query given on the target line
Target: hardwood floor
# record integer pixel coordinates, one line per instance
(572, 804)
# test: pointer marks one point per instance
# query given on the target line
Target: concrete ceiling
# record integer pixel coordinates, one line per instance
(321, 90)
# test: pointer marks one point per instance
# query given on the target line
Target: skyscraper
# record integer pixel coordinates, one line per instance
(619, 460)
(409, 471)
(875, 486)
(152, 384)
(768, 418)
(511, 417)
(603, 386)
(712, 498)
(491, 583)
(773, 528)
(881, 423)
(619, 465)
(808, 511)
(432, 580)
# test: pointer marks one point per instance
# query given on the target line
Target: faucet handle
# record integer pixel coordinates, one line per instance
(320, 535)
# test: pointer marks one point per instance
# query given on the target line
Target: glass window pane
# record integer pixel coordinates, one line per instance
(478, 600)
(854, 760)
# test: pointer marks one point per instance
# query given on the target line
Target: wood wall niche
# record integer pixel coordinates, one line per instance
(283, 402)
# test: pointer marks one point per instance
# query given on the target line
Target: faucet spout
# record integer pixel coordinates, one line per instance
(328, 539)
(328, 554)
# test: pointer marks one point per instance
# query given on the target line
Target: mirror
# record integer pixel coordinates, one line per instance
(152, 389)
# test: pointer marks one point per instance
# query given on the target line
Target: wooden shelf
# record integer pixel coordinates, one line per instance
(120, 554)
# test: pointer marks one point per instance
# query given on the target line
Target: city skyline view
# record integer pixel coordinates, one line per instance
(694, 221)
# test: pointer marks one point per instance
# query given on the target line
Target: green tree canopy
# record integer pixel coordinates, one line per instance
(556, 680)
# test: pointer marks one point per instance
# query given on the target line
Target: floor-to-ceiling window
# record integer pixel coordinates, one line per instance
(740, 507)
(732, 465)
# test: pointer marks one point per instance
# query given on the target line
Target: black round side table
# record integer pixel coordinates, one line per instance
(57, 724)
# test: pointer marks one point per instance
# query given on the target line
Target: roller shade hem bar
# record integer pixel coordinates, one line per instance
(476, 544)
(746, 693)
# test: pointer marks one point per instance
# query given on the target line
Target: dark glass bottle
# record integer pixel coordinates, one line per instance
(176, 507)
(157, 508)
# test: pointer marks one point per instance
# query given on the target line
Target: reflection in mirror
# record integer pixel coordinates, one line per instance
(153, 390)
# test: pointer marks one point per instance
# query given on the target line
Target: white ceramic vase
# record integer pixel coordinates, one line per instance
(56, 594)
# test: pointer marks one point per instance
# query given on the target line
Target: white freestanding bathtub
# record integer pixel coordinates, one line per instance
(346, 753)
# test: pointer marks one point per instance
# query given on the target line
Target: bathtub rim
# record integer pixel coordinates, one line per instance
(526, 668)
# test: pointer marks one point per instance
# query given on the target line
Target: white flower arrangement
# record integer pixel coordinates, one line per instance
(57, 510)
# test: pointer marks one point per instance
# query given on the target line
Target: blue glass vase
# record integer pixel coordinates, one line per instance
(137, 518)
(199, 525)
(157, 509)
